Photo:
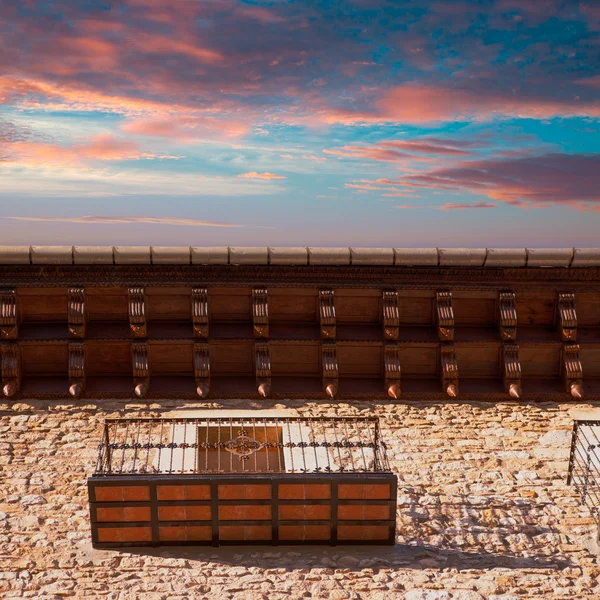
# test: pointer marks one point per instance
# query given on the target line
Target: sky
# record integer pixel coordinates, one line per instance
(294, 123)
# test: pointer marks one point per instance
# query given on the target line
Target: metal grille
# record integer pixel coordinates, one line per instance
(241, 445)
(584, 464)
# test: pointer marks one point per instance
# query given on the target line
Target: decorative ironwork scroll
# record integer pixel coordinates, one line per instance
(260, 313)
(391, 360)
(76, 312)
(137, 313)
(330, 369)
(507, 316)
(11, 368)
(572, 370)
(327, 314)
(511, 370)
(76, 368)
(9, 325)
(444, 316)
(567, 317)
(262, 361)
(202, 368)
(243, 446)
(449, 370)
(200, 312)
(391, 315)
(141, 368)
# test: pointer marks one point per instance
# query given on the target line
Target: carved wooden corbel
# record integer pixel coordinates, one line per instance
(76, 312)
(444, 316)
(392, 370)
(260, 313)
(567, 317)
(137, 313)
(9, 324)
(449, 370)
(327, 314)
(202, 368)
(572, 370)
(141, 368)
(511, 370)
(391, 315)
(262, 363)
(11, 368)
(507, 316)
(200, 312)
(330, 369)
(76, 368)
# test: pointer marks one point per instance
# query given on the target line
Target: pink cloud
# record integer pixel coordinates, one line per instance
(188, 128)
(99, 148)
(466, 205)
(255, 175)
(416, 103)
(568, 179)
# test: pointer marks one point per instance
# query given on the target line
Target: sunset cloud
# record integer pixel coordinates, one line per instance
(255, 175)
(467, 205)
(126, 221)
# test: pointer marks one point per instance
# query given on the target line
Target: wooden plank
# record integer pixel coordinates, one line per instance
(360, 360)
(295, 305)
(107, 304)
(233, 304)
(45, 359)
(108, 358)
(168, 307)
(171, 358)
(415, 310)
(47, 305)
(419, 361)
(357, 309)
(588, 309)
(478, 361)
(295, 359)
(473, 312)
(535, 309)
(232, 358)
(539, 360)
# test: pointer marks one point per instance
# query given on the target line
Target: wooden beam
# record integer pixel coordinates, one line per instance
(444, 316)
(572, 370)
(262, 367)
(507, 316)
(449, 370)
(9, 323)
(511, 367)
(137, 312)
(76, 368)
(200, 312)
(141, 368)
(330, 369)
(260, 313)
(76, 313)
(11, 368)
(566, 317)
(392, 370)
(202, 368)
(391, 315)
(327, 314)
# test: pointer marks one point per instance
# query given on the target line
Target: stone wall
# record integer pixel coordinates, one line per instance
(484, 512)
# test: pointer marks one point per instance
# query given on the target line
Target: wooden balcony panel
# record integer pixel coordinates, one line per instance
(109, 358)
(230, 305)
(107, 304)
(168, 307)
(295, 359)
(170, 358)
(355, 360)
(474, 312)
(590, 361)
(293, 305)
(357, 309)
(588, 310)
(43, 304)
(478, 362)
(45, 359)
(416, 310)
(232, 358)
(419, 361)
(539, 361)
(535, 310)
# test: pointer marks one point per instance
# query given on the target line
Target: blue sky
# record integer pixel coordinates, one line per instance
(368, 123)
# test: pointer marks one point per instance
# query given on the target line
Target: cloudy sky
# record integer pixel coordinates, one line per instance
(282, 122)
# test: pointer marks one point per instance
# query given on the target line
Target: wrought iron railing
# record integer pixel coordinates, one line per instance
(584, 464)
(241, 445)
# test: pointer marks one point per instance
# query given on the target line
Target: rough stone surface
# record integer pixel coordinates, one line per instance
(483, 512)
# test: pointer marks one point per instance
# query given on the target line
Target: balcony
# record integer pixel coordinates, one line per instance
(229, 481)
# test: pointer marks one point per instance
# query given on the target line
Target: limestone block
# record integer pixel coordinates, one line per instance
(93, 255)
(170, 255)
(586, 257)
(210, 255)
(461, 257)
(288, 256)
(329, 256)
(549, 257)
(418, 257)
(15, 255)
(372, 256)
(52, 255)
(506, 257)
(248, 255)
(132, 255)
